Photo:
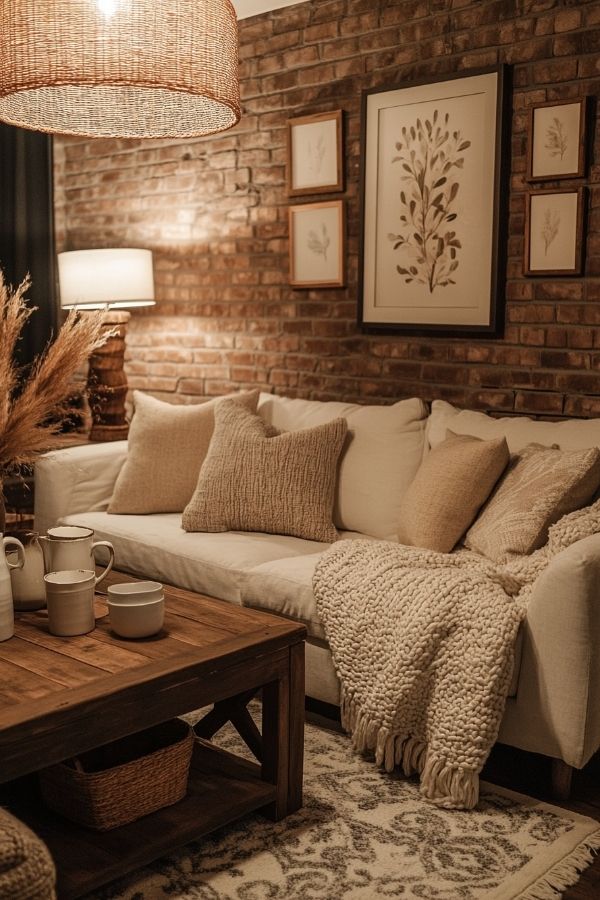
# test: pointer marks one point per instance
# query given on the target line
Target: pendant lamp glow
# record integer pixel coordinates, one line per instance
(119, 68)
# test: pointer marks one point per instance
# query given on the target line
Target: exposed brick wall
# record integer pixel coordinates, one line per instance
(215, 213)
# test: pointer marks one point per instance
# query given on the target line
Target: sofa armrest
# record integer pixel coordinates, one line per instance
(75, 480)
(557, 703)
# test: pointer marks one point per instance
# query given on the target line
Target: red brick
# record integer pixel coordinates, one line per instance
(559, 290)
(581, 382)
(538, 402)
(536, 313)
(580, 337)
(567, 19)
(559, 70)
(560, 359)
(494, 400)
(582, 406)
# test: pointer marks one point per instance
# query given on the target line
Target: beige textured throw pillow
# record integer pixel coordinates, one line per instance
(255, 478)
(453, 482)
(167, 446)
(540, 486)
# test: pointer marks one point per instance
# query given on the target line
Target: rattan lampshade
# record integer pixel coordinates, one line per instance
(119, 68)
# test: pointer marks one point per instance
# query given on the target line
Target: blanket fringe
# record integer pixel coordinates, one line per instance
(447, 786)
(565, 873)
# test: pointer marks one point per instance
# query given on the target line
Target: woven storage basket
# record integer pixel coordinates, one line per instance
(122, 781)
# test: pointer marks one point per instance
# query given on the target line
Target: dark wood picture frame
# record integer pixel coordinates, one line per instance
(336, 186)
(579, 171)
(494, 327)
(579, 233)
(337, 282)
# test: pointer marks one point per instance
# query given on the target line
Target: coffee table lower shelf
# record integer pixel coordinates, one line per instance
(221, 788)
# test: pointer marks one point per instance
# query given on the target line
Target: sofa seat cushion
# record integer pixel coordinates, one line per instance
(157, 547)
(284, 586)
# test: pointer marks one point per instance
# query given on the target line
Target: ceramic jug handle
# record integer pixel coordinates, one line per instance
(18, 546)
(111, 551)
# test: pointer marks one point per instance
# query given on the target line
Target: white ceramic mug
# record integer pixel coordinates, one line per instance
(69, 547)
(70, 599)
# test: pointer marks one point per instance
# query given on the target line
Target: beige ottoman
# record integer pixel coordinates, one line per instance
(26, 868)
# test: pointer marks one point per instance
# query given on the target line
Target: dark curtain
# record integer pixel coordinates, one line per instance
(26, 229)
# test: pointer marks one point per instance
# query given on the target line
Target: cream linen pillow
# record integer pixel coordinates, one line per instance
(453, 482)
(167, 446)
(381, 456)
(257, 479)
(540, 486)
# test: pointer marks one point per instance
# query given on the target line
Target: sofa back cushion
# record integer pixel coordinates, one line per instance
(166, 449)
(255, 478)
(519, 431)
(452, 484)
(539, 487)
(382, 454)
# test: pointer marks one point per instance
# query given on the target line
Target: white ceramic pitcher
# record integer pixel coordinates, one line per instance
(7, 615)
(69, 547)
(28, 587)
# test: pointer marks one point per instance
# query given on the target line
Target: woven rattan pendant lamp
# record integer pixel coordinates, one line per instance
(119, 68)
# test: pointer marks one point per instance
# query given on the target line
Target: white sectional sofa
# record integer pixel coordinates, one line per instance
(554, 703)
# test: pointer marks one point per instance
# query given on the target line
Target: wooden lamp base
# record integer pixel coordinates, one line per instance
(107, 382)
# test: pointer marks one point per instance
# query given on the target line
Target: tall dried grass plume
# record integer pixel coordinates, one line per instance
(32, 404)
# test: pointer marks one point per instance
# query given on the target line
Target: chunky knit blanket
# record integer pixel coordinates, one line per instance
(26, 867)
(423, 644)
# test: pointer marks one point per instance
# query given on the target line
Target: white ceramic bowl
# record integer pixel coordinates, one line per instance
(136, 620)
(135, 592)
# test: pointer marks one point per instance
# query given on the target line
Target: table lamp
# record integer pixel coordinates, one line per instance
(114, 280)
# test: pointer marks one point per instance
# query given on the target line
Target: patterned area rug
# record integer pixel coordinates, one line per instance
(363, 834)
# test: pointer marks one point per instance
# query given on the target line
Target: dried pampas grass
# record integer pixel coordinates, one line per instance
(27, 404)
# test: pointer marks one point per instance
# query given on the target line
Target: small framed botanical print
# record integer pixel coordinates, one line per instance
(554, 232)
(557, 140)
(317, 244)
(314, 154)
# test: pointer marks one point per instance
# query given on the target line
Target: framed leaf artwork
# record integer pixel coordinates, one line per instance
(557, 140)
(317, 244)
(554, 232)
(314, 154)
(433, 206)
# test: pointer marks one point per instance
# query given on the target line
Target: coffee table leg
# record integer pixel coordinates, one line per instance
(283, 735)
(297, 696)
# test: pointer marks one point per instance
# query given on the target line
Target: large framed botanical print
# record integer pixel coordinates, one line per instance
(433, 206)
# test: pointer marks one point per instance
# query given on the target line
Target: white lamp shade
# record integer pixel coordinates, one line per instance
(94, 279)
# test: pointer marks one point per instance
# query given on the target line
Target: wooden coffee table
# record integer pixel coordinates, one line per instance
(62, 696)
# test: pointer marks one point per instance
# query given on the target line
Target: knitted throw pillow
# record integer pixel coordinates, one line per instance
(255, 478)
(454, 480)
(26, 868)
(540, 486)
(167, 446)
